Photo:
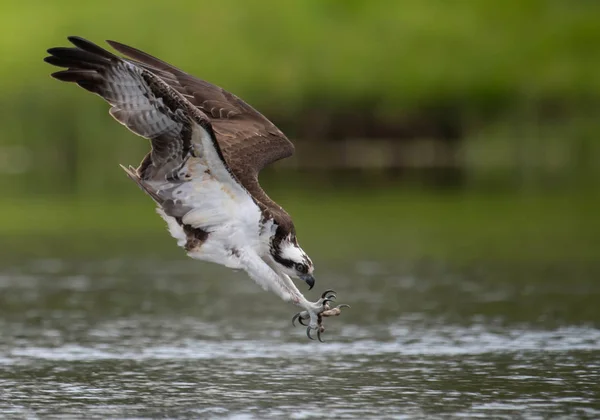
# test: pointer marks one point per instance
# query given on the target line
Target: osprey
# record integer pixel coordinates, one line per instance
(208, 147)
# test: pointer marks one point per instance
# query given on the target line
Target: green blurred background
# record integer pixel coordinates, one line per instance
(424, 129)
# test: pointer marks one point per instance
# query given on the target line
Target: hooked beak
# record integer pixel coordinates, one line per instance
(309, 279)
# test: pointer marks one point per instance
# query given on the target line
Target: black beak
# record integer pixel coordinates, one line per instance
(309, 279)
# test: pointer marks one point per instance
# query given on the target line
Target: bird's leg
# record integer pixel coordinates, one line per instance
(316, 312)
(284, 287)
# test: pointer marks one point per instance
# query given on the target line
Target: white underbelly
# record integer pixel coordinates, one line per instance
(217, 251)
(221, 246)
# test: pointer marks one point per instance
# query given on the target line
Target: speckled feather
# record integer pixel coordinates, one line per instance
(147, 104)
(249, 141)
(208, 147)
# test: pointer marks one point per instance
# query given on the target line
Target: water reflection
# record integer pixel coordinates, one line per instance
(148, 338)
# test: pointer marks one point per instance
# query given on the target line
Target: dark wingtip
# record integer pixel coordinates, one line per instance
(67, 76)
(112, 43)
(74, 39)
(89, 46)
(125, 49)
(57, 50)
(51, 60)
(59, 75)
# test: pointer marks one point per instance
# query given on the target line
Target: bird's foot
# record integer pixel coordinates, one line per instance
(317, 311)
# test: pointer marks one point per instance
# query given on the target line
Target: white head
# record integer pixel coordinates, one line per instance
(292, 260)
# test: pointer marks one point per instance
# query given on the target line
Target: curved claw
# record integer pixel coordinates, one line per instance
(326, 292)
(327, 301)
(308, 333)
(319, 335)
(297, 316)
(343, 305)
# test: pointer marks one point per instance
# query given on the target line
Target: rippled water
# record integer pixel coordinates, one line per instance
(147, 338)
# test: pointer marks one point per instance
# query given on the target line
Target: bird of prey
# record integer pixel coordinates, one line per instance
(208, 147)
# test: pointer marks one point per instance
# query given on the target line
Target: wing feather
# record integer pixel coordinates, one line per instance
(185, 173)
(235, 122)
(249, 141)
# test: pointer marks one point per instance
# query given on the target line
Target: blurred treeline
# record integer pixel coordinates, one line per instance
(480, 94)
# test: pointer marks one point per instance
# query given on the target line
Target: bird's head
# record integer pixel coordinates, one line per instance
(292, 260)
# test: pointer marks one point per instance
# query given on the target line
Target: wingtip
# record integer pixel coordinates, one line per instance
(87, 45)
(55, 61)
(116, 45)
(55, 50)
(81, 43)
(122, 48)
(75, 38)
(57, 74)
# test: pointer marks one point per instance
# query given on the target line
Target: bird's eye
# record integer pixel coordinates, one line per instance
(301, 268)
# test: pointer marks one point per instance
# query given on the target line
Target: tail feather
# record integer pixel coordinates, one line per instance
(161, 193)
(133, 175)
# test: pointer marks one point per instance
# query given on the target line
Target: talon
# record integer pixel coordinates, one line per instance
(327, 291)
(318, 311)
(297, 316)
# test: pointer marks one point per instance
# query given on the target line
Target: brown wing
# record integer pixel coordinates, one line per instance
(140, 100)
(248, 140)
(146, 105)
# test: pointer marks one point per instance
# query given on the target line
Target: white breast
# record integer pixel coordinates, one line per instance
(217, 204)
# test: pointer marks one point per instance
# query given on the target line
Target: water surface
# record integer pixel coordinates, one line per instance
(151, 337)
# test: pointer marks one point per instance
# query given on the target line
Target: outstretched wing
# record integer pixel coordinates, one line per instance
(249, 141)
(246, 136)
(185, 173)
